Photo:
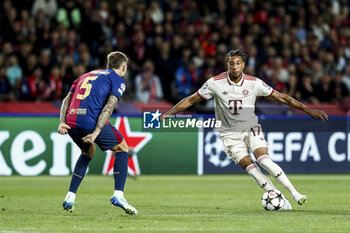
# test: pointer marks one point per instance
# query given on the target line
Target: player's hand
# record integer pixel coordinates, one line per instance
(90, 138)
(63, 128)
(318, 114)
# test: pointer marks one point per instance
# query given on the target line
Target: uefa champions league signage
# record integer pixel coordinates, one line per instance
(304, 150)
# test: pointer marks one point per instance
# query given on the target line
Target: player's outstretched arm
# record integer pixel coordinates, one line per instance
(182, 105)
(63, 127)
(102, 119)
(290, 101)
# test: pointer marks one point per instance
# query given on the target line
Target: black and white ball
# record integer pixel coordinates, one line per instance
(272, 200)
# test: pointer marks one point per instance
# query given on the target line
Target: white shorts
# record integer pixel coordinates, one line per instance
(239, 144)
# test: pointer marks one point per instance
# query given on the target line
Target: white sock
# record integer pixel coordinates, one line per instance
(118, 193)
(276, 171)
(70, 197)
(259, 178)
(296, 194)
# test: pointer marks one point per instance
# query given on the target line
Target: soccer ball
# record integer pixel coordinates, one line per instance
(272, 200)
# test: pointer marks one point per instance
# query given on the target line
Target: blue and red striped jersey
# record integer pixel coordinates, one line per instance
(90, 93)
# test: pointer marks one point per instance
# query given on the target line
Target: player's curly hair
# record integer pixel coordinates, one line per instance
(237, 52)
(116, 59)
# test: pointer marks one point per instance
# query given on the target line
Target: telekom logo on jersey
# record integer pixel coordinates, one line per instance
(237, 105)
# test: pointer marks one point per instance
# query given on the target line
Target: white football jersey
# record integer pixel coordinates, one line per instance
(234, 102)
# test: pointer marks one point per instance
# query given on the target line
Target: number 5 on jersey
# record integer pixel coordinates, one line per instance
(87, 86)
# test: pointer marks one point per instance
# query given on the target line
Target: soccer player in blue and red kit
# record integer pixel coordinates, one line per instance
(84, 115)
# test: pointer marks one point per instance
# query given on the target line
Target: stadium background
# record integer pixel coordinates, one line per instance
(301, 48)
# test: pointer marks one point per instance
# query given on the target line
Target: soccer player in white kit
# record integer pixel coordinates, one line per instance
(234, 94)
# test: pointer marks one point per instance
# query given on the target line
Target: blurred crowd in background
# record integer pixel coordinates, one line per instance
(301, 48)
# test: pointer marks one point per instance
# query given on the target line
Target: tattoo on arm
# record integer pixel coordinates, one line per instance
(64, 107)
(106, 112)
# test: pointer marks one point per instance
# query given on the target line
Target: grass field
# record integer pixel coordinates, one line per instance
(172, 204)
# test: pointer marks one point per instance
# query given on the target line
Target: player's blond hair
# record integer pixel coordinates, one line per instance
(116, 59)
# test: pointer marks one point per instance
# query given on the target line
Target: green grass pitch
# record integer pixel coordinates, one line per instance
(221, 203)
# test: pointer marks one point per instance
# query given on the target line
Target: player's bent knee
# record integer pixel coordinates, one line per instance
(90, 151)
(259, 152)
(121, 147)
(245, 162)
